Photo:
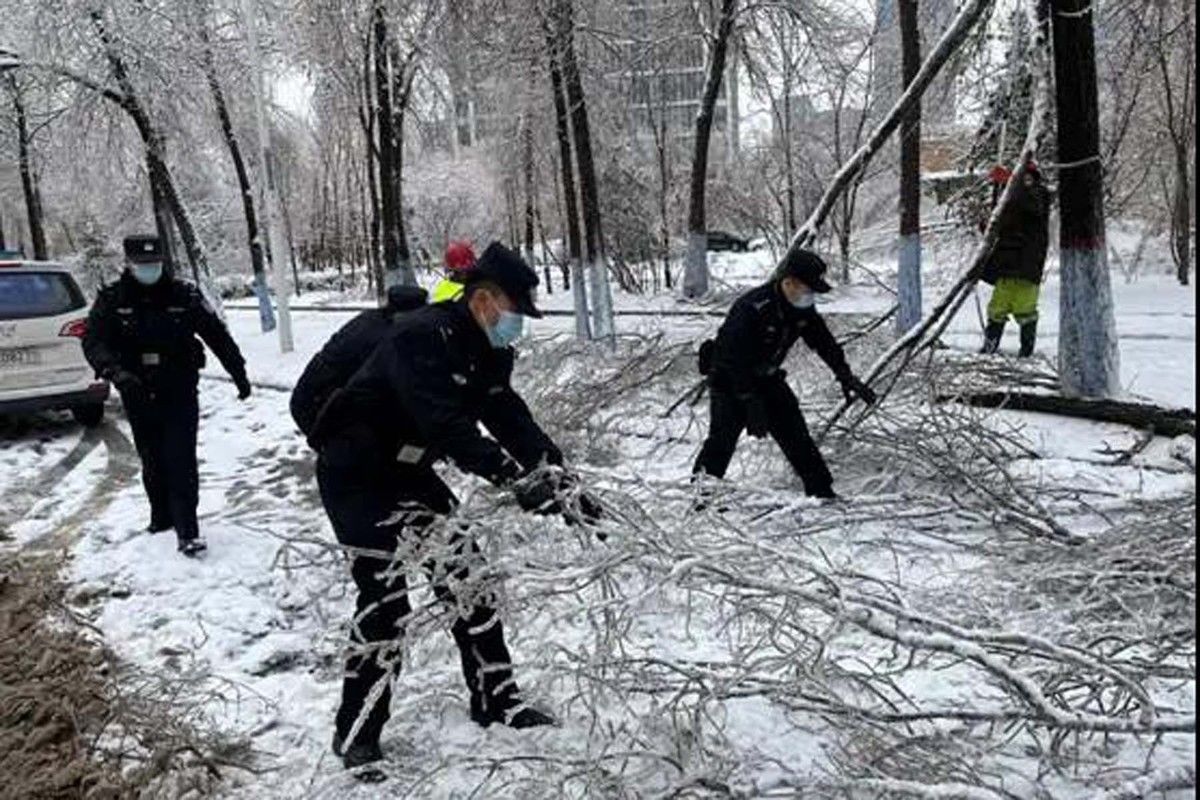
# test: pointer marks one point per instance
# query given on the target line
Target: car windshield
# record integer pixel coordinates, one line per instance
(24, 295)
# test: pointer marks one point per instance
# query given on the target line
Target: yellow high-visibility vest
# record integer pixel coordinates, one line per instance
(446, 289)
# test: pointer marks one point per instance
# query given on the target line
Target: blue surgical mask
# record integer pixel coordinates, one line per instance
(805, 301)
(508, 329)
(147, 274)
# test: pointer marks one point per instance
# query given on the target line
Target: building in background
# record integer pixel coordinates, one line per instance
(655, 66)
(661, 69)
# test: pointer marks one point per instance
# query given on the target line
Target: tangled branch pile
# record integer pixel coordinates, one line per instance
(973, 622)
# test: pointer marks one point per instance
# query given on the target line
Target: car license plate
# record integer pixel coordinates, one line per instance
(19, 357)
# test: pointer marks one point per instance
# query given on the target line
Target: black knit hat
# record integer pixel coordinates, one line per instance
(807, 266)
(506, 269)
(144, 248)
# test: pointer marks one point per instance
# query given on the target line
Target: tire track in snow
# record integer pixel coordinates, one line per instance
(121, 467)
(20, 500)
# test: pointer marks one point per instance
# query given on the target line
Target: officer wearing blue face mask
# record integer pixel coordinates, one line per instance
(142, 336)
(748, 387)
(417, 399)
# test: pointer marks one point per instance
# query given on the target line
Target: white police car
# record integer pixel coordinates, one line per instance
(43, 316)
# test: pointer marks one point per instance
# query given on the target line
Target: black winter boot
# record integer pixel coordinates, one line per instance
(1028, 338)
(192, 547)
(508, 711)
(992, 335)
(358, 756)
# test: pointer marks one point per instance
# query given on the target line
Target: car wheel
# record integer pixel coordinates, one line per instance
(88, 416)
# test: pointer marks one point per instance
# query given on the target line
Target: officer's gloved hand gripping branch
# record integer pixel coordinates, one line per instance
(749, 390)
(418, 398)
(142, 337)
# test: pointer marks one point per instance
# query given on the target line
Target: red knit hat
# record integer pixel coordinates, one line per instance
(459, 256)
(999, 174)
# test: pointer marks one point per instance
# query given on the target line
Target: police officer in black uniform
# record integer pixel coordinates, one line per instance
(748, 387)
(345, 352)
(141, 336)
(419, 398)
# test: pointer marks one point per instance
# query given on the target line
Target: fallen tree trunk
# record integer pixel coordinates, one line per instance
(1144, 416)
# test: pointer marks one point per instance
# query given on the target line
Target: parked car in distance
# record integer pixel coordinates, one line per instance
(43, 316)
(722, 240)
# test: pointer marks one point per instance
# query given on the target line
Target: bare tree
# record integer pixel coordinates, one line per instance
(1176, 57)
(696, 277)
(388, 121)
(159, 171)
(246, 189)
(589, 191)
(29, 179)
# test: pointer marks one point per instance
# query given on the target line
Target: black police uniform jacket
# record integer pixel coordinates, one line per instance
(756, 336)
(421, 394)
(150, 331)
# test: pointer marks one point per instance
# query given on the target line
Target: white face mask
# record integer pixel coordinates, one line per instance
(805, 300)
(147, 274)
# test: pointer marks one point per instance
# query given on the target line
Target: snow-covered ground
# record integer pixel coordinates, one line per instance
(264, 612)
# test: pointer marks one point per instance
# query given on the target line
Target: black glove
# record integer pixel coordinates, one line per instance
(590, 508)
(583, 509)
(243, 386)
(586, 510)
(133, 390)
(538, 493)
(757, 424)
(852, 387)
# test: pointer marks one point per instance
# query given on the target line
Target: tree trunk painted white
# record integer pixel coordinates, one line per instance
(908, 278)
(695, 273)
(1088, 360)
(908, 282)
(583, 320)
(602, 305)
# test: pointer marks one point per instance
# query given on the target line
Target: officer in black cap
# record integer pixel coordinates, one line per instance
(141, 336)
(418, 399)
(748, 387)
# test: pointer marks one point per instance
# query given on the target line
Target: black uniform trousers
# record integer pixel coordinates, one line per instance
(164, 424)
(785, 423)
(361, 498)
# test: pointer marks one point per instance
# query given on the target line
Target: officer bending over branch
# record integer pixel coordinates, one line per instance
(749, 390)
(418, 398)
